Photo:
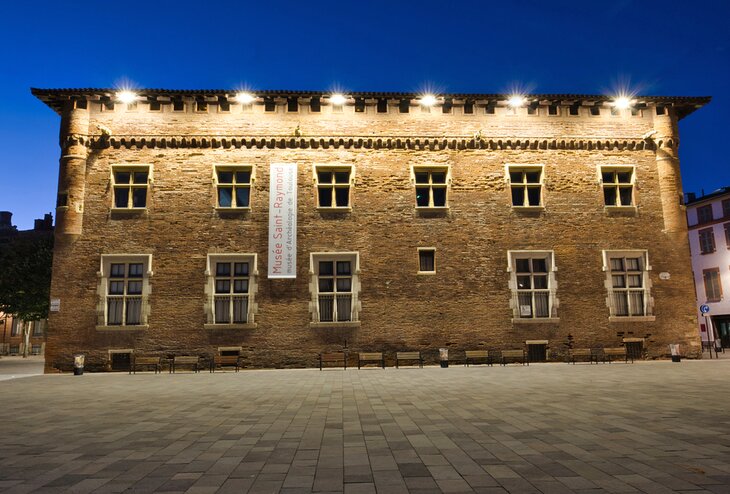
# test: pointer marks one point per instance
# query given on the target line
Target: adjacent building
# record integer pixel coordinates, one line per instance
(280, 224)
(708, 218)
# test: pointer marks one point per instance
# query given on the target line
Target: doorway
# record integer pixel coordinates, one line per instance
(722, 329)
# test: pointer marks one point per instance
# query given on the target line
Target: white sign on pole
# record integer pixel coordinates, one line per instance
(283, 220)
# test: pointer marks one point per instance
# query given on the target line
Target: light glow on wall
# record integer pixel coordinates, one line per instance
(622, 102)
(127, 96)
(516, 101)
(428, 100)
(338, 99)
(244, 98)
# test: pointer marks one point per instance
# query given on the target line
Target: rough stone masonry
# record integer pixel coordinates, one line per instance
(471, 299)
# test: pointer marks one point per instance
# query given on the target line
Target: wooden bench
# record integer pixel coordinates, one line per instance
(584, 353)
(619, 352)
(192, 361)
(332, 358)
(408, 356)
(225, 360)
(476, 357)
(376, 357)
(145, 362)
(515, 355)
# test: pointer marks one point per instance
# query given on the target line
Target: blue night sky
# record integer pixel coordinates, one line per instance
(676, 48)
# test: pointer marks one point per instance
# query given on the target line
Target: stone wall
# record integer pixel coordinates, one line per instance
(464, 306)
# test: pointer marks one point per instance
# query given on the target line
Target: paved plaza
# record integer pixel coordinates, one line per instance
(648, 427)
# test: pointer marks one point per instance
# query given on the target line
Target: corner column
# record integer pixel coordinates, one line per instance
(670, 180)
(72, 170)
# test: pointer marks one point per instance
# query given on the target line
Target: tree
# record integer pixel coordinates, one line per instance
(25, 278)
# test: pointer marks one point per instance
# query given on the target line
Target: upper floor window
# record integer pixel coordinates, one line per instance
(231, 287)
(431, 184)
(726, 208)
(334, 185)
(130, 184)
(704, 214)
(627, 282)
(15, 327)
(124, 288)
(727, 235)
(335, 287)
(713, 286)
(532, 282)
(39, 327)
(525, 184)
(707, 241)
(618, 185)
(233, 186)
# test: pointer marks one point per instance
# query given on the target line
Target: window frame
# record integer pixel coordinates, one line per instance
(648, 300)
(333, 167)
(718, 297)
(552, 286)
(431, 169)
(616, 168)
(704, 221)
(426, 249)
(131, 168)
(212, 259)
(236, 167)
(706, 238)
(314, 304)
(725, 208)
(104, 275)
(726, 227)
(524, 168)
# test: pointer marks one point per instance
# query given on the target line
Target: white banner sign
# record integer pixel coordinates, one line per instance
(283, 221)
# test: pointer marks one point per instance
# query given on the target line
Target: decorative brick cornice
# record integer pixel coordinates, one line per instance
(427, 143)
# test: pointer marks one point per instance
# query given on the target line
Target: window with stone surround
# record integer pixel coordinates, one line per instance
(426, 260)
(704, 214)
(15, 327)
(233, 186)
(617, 183)
(130, 185)
(713, 286)
(124, 290)
(533, 284)
(431, 186)
(707, 241)
(230, 290)
(525, 183)
(628, 284)
(335, 288)
(334, 184)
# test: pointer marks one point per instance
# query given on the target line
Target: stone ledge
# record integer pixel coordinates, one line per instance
(212, 327)
(123, 329)
(632, 318)
(536, 320)
(334, 325)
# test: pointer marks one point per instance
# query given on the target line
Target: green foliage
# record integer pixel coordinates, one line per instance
(25, 276)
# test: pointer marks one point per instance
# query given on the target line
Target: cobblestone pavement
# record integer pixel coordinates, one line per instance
(648, 427)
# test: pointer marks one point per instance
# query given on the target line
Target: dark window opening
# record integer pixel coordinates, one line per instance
(404, 106)
(635, 112)
(537, 352)
(81, 104)
(223, 104)
(315, 104)
(107, 105)
(201, 105)
(178, 105)
(155, 105)
(573, 110)
(359, 105)
(382, 105)
(292, 104)
(121, 361)
(426, 260)
(230, 353)
(661, 110)
(447, 106)
(595, 111)
(532, 108)
(269, 105)
(490, 108)
(469, 108)
(553, 110)
(62, 199)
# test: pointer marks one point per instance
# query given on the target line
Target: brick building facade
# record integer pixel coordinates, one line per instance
(467, 224)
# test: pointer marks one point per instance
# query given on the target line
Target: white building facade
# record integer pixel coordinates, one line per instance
(708, 218)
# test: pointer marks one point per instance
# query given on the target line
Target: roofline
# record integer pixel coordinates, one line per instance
(715, 194)
(52, 97)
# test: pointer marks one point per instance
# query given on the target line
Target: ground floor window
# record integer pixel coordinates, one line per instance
(627, 280)
(124, 289)
(533, 284)
(335, 286)
(231, 287)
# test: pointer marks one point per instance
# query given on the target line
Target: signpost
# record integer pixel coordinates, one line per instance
(705, 310)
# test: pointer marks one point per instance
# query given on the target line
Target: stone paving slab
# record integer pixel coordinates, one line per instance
(547, 428)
